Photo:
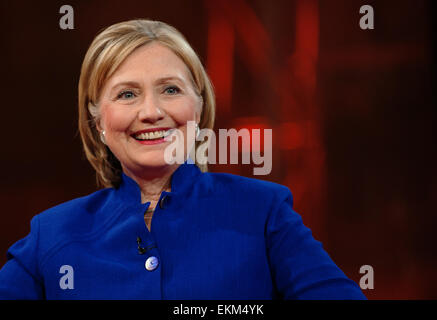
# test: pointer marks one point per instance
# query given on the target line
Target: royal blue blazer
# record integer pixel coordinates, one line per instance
(214, 236)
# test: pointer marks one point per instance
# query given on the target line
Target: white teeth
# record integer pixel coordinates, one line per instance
(152, 135)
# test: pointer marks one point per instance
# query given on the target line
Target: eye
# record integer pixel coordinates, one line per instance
(172, 90)
(126, 94)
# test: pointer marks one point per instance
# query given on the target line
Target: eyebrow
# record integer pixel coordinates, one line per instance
(123, 84)
(155, 82)
(169, 78)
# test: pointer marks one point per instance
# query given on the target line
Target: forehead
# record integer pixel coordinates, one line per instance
(150, 62)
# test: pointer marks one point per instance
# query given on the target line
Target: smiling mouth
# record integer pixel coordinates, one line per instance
(152, 135)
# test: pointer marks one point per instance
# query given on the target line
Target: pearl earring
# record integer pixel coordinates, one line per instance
(102, 136)
(197, 131)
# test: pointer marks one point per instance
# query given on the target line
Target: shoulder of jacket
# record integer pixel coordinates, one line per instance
(73, 211)
(59, 224)
(228, 182)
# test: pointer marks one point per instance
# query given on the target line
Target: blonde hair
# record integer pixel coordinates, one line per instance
(105, 54)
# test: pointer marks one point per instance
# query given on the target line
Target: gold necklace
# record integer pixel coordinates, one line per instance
(149, 210)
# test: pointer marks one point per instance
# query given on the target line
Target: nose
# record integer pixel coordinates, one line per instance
(150, 110)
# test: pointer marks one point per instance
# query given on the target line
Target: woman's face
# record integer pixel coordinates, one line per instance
(152, 89)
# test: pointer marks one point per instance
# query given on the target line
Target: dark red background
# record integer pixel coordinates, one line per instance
(352, 113)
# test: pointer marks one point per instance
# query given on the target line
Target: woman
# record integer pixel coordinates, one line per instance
(160, 230)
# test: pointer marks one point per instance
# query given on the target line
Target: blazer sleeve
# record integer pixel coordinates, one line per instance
(301, 268)
(19, 277)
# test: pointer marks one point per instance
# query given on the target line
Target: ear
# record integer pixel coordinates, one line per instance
(99, 127)
(94, 111)
(199, 110)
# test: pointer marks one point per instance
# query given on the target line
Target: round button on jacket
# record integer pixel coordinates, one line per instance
(151, 263)
(162, 202)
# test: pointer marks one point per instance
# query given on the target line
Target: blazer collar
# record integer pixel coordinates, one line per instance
(181, 181)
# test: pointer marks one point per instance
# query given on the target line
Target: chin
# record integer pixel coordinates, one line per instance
(155, 159)
(152, 162)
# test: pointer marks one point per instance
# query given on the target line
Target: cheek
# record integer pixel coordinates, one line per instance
(185, 112)
(116, 120)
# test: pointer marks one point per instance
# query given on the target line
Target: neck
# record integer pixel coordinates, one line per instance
(152, 182)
